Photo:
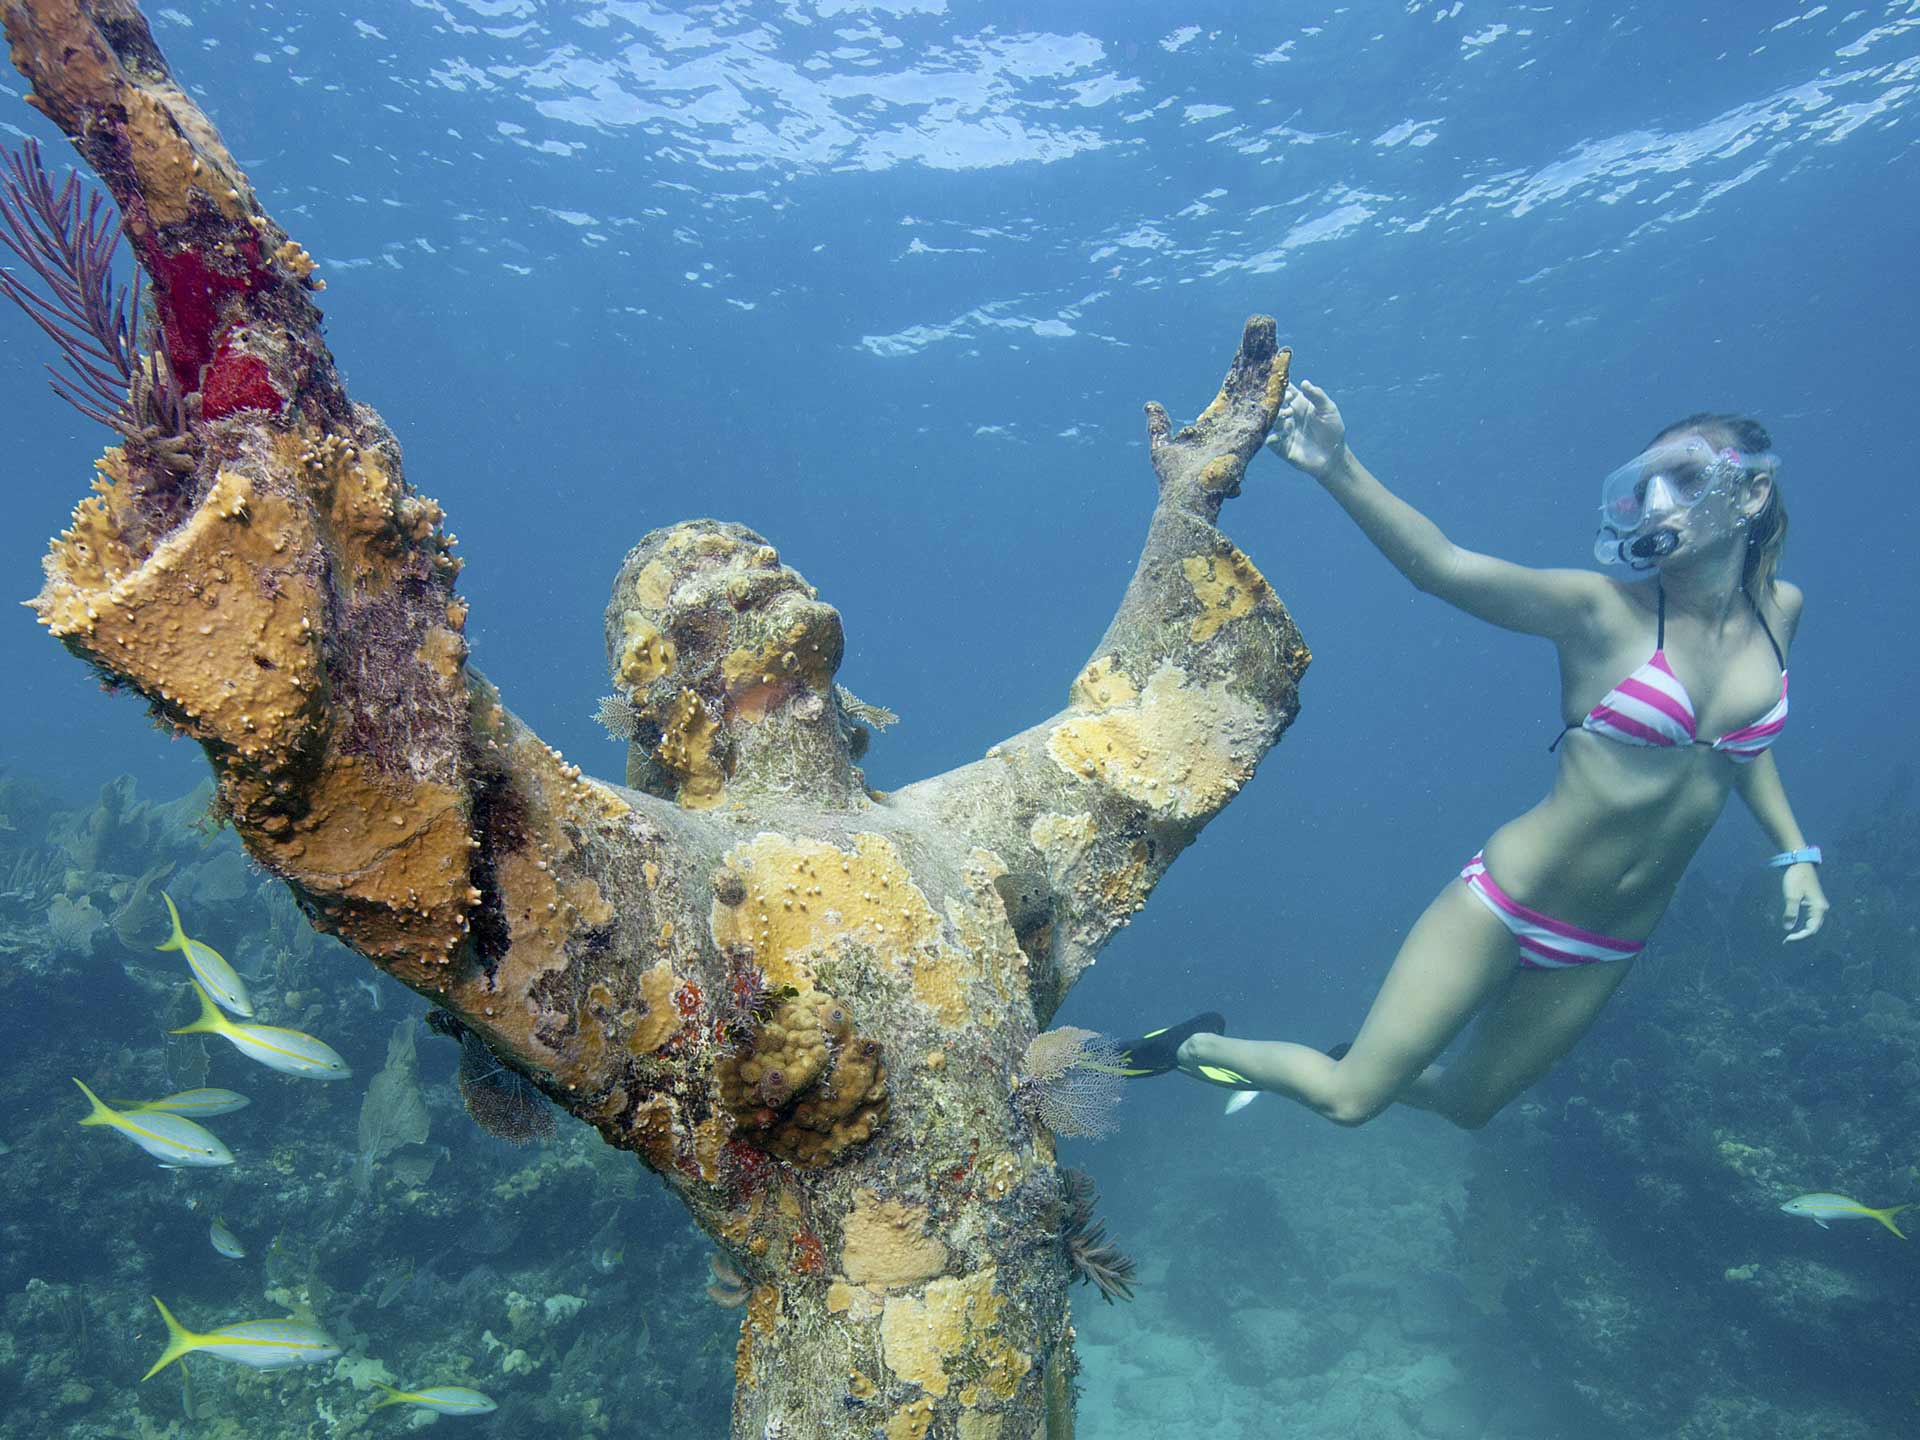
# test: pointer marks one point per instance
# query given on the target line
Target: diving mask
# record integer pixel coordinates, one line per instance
(1661, 484)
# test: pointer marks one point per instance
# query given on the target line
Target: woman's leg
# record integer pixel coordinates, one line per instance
(1457, 956)
(1519, 1037)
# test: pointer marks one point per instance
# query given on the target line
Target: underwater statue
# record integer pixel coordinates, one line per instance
(804, 1004)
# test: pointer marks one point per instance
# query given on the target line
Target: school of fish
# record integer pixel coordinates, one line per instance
(169, 1129)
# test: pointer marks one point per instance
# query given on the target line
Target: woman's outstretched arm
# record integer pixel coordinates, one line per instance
(1557, 604)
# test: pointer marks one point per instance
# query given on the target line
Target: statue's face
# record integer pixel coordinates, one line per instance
(725, 658)
(728, 611)
(765, 608)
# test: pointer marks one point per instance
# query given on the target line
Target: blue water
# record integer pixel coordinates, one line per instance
(890, 281)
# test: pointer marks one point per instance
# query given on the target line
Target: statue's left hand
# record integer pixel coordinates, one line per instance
(1209, 456)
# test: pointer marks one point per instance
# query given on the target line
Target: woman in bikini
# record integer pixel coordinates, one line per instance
(1675, 688)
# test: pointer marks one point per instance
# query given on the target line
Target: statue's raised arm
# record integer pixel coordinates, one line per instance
(251, 560)
(812, 1010)
(1194, 680)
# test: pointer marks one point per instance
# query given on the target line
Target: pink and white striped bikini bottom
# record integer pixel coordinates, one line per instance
(1545, 943)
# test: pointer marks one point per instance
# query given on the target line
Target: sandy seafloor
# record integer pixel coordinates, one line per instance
(1375, 1349)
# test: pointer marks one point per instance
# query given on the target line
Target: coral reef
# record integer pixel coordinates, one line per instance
(669, 961)
(411, 1261)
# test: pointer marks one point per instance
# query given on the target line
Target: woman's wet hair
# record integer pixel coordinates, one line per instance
(1767, 532)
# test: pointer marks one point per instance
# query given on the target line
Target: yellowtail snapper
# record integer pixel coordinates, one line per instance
(446, 1399)
(221, 980)
(1822, 1207)
(261, 1344)
(194, 1104)
(171, 1139)
(225, 1241)
(289, 1051)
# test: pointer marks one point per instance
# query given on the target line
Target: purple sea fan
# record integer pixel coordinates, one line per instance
(502, 1102)
(1070, 1081)
(67, 239)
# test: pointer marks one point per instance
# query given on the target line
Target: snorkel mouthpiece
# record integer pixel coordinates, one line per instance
(1640, 554)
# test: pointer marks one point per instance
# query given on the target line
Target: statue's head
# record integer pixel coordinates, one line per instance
(723, 662)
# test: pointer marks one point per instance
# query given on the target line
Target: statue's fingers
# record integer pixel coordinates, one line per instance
(1158, 425)
(1275, 392)
(1254, 361)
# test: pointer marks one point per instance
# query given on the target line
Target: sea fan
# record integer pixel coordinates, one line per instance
(502, 1101)
(726, 1287)
(617, 716)
(1096, 1260)
(1070, 1081)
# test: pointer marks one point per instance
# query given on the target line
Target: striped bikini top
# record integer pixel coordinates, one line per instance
(1652, 707)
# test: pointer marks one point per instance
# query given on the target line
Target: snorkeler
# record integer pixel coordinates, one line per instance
(1543, 924)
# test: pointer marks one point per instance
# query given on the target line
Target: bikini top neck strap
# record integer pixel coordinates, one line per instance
(1660, 636)
(1765, 629)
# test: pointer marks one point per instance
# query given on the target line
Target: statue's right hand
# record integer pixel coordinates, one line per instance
(1309, 433)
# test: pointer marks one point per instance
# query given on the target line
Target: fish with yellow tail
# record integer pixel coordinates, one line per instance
(173, 1140)
(225, 1242)
(194, 1104)
(444, 1399)
(259, 1344)
(291, 1052)
(221, 980)
(1822, 1207)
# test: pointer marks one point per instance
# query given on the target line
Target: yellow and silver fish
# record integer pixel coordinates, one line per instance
(194, 1104)
(222, 981)
(225, 1241)
(291, 1052)
(446, 1399)
(170, 1139)
(261, 1344)
(1822, 1207)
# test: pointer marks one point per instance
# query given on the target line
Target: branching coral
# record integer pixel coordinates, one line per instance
(1070, 1081)
(859, 720)
(1096, 1260)
(68, 238)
